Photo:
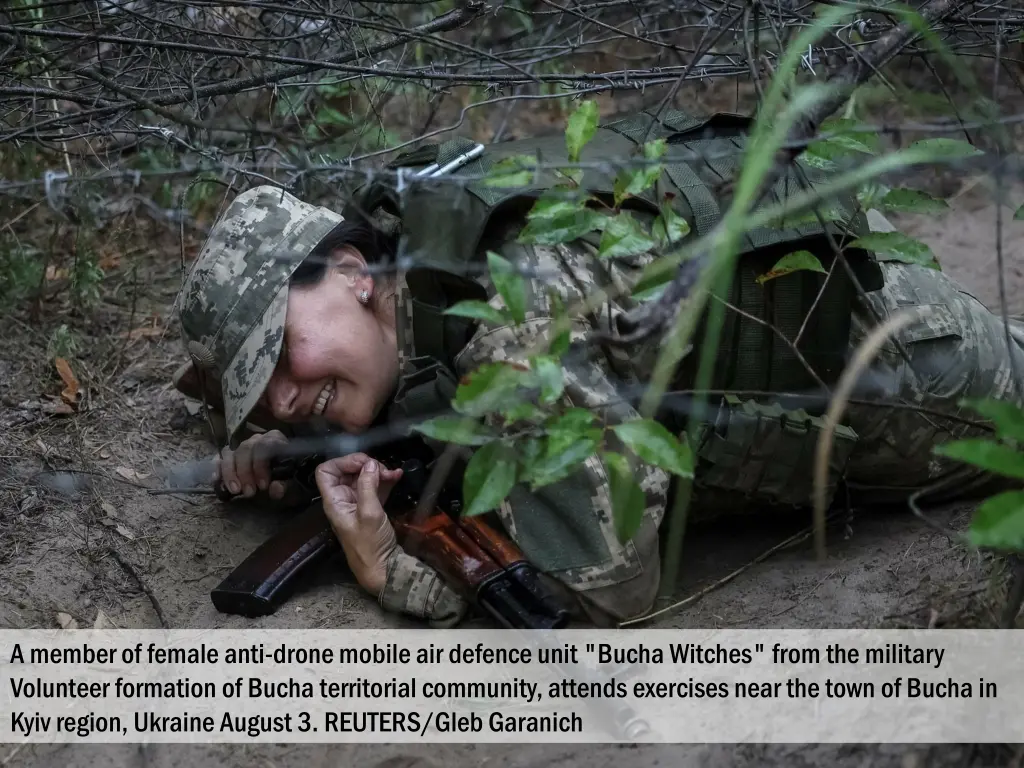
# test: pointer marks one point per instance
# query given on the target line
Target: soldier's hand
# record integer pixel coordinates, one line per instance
(246, 470)
(353, 489)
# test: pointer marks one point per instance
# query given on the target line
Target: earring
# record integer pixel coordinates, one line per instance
(364, 296)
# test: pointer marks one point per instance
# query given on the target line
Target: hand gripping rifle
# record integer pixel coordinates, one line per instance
(474, 559)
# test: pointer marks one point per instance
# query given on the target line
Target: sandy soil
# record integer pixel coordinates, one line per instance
(886, 569)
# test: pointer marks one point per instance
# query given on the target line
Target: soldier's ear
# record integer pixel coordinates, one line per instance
(347, 260)
(347, 257)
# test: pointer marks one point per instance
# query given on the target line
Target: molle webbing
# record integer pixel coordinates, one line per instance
(751, 355)
(445, 222)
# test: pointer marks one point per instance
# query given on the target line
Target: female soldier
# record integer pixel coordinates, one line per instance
(287, 321)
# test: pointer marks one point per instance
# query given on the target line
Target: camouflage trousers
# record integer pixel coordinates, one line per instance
(955, 349)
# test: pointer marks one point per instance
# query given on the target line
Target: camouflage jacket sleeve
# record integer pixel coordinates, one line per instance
(414, 589)
(566, 529)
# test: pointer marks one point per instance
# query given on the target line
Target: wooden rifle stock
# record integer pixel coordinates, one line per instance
(474, 559)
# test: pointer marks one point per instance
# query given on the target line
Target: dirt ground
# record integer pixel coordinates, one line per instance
(101, 548)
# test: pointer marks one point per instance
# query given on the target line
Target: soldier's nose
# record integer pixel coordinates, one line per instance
(282, 397)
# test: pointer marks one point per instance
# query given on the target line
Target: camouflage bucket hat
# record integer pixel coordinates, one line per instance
(234, 301)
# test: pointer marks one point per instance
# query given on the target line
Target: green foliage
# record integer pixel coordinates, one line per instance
(895, 246)
(510, 285)
(463, 431)
(479, 310)
(911, 201)
(628, 500)
(63, 343)
(946, 149)
(515, 412)
(998, 523)
(630, 183)
(624, 236)
(653, 443)
(669, 228)
(1019, 215)
(21, 270)
(553, 221)
(515, 171)
(792, 262)
(490, 475)
(581, 128)
(86, 277)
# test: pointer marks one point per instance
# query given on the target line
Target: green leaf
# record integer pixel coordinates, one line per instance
(523, 412)
(815, 160)
(653, 443)
(550, 375)
(452, 429)
(1019, 215)
(552, 221)
(479, 310)
(557, 465)
(669, 228)
(574, 424)
(871, 194)
(581, 128)
(560, 341)
(847, 136)
(999, 522)
(839, 146)
(655, 150)
(986, 455)
(895, 246)
(575, 175)
(792, 262)
(632, 182)
(946, 149)
(627, 497)
(515, 171)
(489, 388)
(571, 439)
(912, 201)
(623, 236)
(1007, 417)
(489, 476)
(510, 284)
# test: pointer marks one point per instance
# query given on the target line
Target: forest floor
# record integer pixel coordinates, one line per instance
(86, 554)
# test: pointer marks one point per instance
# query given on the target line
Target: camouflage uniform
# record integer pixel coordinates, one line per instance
(957, 349)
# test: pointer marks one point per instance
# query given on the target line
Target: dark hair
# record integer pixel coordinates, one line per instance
(376, 247)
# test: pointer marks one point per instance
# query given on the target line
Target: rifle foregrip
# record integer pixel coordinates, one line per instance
(522, 596)
(266, 578)
(438, 542)
(504, 552)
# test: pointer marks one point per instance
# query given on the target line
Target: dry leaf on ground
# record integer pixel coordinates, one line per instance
(102, 622)
(72, 389)
(112, 523)
(131, 474)
(66, 621)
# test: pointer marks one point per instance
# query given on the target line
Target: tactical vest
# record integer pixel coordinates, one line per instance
(445, 228)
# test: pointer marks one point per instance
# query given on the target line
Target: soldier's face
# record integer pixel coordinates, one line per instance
(339, 359)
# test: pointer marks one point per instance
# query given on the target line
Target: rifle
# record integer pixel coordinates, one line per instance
(474, 558)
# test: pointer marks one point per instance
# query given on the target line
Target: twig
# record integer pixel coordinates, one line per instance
(861, 359)
(796, 538)
(133, 572)
(649, 317)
